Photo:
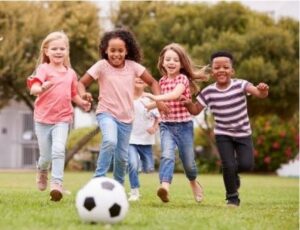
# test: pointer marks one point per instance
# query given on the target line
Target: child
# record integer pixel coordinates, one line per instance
(115, 74)
(55, 85)
(142, 138)
(227, 100)
(176, 129)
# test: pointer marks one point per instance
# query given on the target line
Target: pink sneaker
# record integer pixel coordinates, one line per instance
(42, 179)
(56, 191)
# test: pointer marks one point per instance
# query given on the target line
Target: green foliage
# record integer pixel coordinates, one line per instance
(76, 134)
(23, 26)
(264, 49)
(268, 202)
(275, 142)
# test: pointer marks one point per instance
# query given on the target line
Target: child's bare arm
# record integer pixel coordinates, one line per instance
(193, 108)
(83, 83)
(173, 95)
(154, 127)
(260, 91)
(38, 88)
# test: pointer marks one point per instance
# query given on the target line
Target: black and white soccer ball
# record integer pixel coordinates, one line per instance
(102, 200)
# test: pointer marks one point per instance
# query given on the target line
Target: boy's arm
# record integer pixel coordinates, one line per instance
(193, 108)
(260, 91)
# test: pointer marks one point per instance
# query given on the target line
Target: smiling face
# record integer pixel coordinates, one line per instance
(57, 51)
(116, 52)
(222, 71)
(171, 63)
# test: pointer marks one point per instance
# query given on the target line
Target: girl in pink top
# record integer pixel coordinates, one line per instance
(115, 74)
(55, 85)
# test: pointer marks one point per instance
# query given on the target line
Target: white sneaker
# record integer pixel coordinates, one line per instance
(134, 195)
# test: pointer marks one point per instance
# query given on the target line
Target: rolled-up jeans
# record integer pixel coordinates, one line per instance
(115, 144)
(52, 140)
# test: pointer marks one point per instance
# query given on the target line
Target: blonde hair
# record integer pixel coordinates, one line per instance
(52, 37)
(187, 67)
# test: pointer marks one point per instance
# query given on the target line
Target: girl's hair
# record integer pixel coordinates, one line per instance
(52, 37)
(187, 67)
(132, 47)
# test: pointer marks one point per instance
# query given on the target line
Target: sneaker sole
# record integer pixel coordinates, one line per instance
(55, 195)
(163, 195)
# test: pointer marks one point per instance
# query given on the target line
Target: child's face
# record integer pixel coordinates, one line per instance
(139, 83)
(57, 51)
(222, 71)
(116, 52)
(171, 63)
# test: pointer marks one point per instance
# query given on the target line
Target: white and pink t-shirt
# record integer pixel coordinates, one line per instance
(55, 104)
(116, 88)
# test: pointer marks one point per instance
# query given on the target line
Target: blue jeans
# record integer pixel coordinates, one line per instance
(139, 154)
(52, 147)
(180, 135)
(115, 143)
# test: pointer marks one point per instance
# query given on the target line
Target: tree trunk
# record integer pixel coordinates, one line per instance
(85, 139)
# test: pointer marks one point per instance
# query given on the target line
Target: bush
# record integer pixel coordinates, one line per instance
(275, 141)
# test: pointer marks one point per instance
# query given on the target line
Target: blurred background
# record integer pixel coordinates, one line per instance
(263, 37)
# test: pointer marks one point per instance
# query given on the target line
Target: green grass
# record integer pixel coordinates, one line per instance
(268, 202)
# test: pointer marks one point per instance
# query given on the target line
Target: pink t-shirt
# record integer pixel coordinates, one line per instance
(116, 88)
(55, 104)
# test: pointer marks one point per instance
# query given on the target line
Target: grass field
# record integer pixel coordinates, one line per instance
(268, 202)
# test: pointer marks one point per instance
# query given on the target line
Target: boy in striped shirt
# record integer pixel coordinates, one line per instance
(226, 99)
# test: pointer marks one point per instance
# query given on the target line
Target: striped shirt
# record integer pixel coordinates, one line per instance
(229, 107)
(178, 112)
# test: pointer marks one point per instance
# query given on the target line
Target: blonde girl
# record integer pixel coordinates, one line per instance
(55, 85)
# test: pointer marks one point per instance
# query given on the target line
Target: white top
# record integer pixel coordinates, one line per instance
(143, 120)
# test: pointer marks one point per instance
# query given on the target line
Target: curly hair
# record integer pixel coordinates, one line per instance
(133, 50)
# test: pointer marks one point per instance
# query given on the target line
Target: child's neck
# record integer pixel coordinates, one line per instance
(58, 67)
(138, 93)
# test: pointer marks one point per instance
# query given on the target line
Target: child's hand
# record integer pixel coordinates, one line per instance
(262, 87)
(87, 96)
(151, 130)
(46, 85)
(85, 105)
(149, 95)
(185, 100)
(163, 108)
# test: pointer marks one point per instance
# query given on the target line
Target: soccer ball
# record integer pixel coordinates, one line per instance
(102, 200)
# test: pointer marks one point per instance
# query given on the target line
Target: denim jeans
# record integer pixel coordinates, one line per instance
(237, 156)
(52, 147)
(115, 143)
(139, 154)
(180, 135)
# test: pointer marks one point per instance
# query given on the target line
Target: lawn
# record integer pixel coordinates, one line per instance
(268, 202)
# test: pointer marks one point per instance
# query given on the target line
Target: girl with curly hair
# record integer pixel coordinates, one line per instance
(115, 74)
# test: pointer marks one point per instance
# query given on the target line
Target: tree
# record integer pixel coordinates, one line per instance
(264, 50)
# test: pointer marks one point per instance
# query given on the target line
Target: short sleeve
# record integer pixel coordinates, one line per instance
(95, 70)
